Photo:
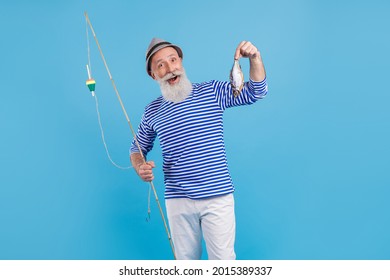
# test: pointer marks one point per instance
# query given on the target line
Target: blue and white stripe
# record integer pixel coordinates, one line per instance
(191, 138)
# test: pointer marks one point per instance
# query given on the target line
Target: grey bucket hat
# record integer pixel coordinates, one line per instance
(155, 45)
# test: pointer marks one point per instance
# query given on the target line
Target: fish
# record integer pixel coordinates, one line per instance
(236, 78)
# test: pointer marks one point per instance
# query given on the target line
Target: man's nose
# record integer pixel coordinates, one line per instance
(170, 68)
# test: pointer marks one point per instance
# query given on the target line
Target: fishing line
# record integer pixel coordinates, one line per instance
(91, 85)
(89, 70)
(104, 141)
(92, 88)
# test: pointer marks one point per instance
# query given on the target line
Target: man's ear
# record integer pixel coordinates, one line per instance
(153, 75)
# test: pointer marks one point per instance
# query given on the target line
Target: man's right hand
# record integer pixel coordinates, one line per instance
(144, 170)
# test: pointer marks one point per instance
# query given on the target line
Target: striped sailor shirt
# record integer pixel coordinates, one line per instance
(191, 137)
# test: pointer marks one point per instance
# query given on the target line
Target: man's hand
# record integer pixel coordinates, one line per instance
(248, 50)
(145, 171)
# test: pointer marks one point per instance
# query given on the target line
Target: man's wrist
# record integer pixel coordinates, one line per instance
(256, 60)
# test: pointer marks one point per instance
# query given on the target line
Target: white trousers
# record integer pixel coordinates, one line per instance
(214, 217)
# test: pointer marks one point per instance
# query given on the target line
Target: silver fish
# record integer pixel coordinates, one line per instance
(236, 78)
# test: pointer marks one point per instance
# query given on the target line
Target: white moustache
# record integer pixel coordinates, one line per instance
(178, 92)
(171, 75)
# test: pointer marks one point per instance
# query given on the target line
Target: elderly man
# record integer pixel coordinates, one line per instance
(188, 120)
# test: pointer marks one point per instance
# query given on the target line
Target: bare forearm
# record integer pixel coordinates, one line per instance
(136, 160)
(256, 68)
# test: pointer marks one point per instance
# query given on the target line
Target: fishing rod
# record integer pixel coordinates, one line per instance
(129, 123)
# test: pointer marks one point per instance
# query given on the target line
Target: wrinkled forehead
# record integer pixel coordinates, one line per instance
(164, 54)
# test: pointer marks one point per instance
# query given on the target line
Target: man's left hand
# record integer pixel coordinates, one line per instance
(246, 49)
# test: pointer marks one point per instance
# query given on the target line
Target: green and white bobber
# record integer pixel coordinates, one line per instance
(90, 82)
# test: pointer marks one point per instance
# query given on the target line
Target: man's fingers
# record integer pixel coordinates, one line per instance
(147, 166)
(148, 178)
(237, 55)
(245, 49)
(249, 50)
(146, 175)
(145, 171)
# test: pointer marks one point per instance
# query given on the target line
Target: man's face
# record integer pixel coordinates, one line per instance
(167, 69)
(166, 61)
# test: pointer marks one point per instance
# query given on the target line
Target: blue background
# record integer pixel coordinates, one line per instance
(310, 162)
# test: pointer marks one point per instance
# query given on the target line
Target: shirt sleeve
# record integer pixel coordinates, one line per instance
(145, 137)
(251, 92)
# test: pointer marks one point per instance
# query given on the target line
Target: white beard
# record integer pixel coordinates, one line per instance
(178, 92)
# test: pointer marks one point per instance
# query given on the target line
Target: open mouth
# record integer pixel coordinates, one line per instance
(173, 79)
